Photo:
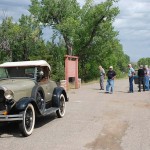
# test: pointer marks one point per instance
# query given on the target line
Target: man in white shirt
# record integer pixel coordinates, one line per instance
(131, 78)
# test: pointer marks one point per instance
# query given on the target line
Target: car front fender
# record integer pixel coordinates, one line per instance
(23, 103)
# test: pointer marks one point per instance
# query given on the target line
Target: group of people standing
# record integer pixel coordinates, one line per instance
(143, 74)
(143, 78)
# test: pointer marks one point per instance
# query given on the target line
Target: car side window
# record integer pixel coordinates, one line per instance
(42, 74)
(29, 72)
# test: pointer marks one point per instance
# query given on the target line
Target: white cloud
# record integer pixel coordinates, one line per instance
(133, 26)
(14, 8)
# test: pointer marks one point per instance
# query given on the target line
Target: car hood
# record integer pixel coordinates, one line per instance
(20, 87)
(16, 84)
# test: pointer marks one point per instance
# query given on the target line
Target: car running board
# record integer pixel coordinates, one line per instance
(50, 110)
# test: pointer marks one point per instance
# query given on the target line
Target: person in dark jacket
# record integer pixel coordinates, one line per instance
(111, 74)
(141, 79)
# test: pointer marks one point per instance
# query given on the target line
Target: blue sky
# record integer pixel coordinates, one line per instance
(133, 23)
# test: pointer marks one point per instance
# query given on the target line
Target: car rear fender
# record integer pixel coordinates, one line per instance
(56, 95)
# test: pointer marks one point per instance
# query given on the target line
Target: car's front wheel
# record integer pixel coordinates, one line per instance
(61, 111)
(27, 124)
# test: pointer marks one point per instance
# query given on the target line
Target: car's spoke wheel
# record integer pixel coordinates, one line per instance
(27, 124)
(61, 111)
(40, 102)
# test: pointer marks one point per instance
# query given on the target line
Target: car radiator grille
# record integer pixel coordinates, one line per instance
(2, 101)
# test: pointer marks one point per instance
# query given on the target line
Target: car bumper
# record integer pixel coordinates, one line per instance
(17, 117)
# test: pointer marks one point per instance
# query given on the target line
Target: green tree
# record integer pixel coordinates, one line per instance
(6, 37)
(29, 38)
(57, 60)
(144, 61)
(78, 26)
(22, 40)
(87, 31)
(62, 16)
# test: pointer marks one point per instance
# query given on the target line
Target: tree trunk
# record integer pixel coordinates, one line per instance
(69, 46)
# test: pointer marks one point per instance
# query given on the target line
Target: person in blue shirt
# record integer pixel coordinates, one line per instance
(147, 72)
(131, 78)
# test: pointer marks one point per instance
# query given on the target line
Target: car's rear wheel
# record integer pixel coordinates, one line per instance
(27, 124)
(61, 111)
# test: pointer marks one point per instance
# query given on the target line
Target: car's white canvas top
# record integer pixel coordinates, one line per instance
(26, 63)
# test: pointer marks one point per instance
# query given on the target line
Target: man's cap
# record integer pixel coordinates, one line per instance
(141, 66)
(111, 67)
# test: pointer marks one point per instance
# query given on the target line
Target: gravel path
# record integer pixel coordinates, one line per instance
(123, 118)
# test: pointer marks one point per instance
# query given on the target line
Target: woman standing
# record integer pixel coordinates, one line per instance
(102, 77)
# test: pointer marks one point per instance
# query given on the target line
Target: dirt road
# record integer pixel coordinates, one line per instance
(120, 121)
(93, 121)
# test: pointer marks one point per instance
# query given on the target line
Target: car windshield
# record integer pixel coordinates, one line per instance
(3, 73)
(17, 72)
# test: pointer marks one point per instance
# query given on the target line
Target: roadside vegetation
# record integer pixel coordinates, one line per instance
(85, 31)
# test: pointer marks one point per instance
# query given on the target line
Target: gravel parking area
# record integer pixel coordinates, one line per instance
(94, 120)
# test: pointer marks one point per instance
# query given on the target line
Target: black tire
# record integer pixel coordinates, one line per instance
(27, 124)
(61, 111)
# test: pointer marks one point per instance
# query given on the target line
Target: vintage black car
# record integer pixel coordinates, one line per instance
(27, 91)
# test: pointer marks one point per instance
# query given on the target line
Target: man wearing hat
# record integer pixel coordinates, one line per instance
(141, 80)
(111, 74)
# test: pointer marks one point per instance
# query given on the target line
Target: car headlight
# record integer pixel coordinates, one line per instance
(9, 94)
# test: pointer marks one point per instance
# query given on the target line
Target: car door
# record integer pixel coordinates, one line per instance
(47, 90)
(47, 84)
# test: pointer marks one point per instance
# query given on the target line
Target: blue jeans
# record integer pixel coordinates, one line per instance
(147, 83)
(110, 86)
(131, 84)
